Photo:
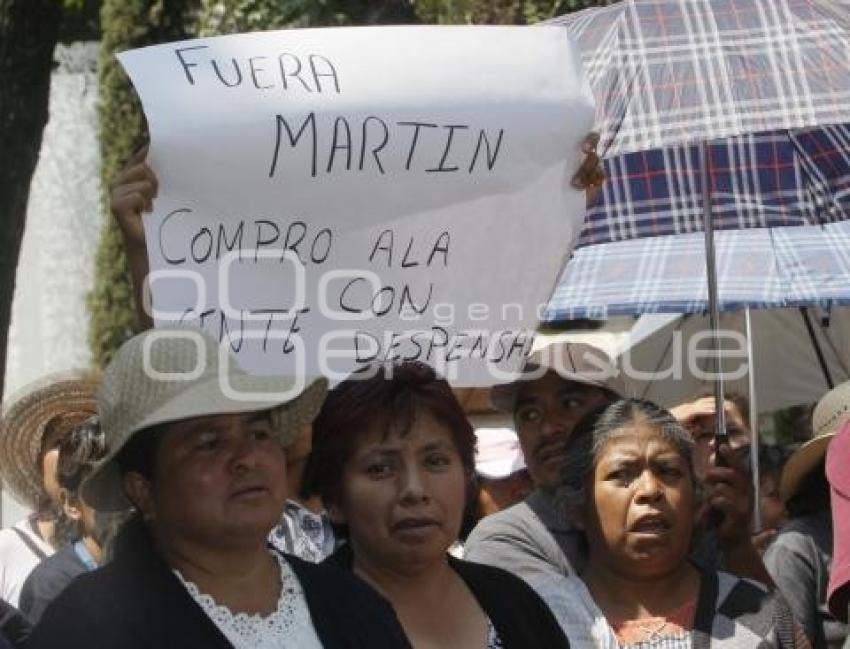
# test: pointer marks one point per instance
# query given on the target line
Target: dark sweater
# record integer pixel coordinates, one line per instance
(14, 628)
(521, 618)
(47, 580)
(137, 602)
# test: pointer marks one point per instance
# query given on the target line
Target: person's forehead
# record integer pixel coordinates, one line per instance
(734, 420)
(423, 440)
(636, 437)
(225, 419)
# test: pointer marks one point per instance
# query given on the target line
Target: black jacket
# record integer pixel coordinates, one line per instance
(137, 602)
(14, 628)
(522, 619)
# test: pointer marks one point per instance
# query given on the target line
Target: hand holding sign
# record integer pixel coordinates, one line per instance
(352, 195)
(131, 193)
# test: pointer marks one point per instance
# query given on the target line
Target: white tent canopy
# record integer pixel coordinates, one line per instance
(662, 355)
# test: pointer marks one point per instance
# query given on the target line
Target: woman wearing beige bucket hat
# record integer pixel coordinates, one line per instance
(800, 558)
(198, 447)
(34, 422)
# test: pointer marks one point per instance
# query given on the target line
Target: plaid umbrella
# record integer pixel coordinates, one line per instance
(755, 78)
(672, 71)
(642, 248)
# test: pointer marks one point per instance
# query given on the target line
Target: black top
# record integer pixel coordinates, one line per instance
(137, 602)
(521, 618)
(14, 628)
(47, 580)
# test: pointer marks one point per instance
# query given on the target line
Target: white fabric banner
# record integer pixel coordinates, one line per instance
(334, 197)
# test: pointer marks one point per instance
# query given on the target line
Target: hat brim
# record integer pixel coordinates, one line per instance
(801, 462)
(103, 489)
(25, 421)
(503, 396)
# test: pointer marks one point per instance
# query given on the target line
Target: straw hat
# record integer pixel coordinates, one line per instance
(832, 410)
(63, 399)
(166, 375)
(573, 361)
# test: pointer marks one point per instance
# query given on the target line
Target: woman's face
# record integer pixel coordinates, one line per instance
(49, 459)
(219, 479)
(641, 504)
(402, 496)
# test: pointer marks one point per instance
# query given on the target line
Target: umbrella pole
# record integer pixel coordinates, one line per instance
(713, 302)
(754, 424)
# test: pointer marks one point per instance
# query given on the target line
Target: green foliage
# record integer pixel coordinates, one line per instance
(126, 24)
(496, 11)
(80, 21)
(230, 16)
(537, 10)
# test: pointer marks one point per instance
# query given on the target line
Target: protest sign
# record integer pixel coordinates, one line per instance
(334, 197)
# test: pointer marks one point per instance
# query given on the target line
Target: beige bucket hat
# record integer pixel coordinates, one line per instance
(573, 361)
(832, 410)
(62, 400)
(165, 375)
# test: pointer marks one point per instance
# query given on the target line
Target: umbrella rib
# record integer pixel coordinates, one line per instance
(804, 312)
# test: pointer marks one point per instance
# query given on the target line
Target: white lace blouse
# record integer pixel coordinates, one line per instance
(289, 626)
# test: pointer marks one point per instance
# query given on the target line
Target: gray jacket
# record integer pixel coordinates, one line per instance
(532, 540)
(799, 560)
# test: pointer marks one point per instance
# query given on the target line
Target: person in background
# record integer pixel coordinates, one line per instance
(500, 468)
(629, 484)
(198, 447)
(697, 417)
(14, 627)
(838, 474)
(501, 479)
(800, 558)
(727, 540)
(393, 459)
(559, 385)
(305, 529)
(774, 516)
(78, 453)
(34, 423)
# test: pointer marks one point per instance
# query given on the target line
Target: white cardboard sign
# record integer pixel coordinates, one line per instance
(333, 197)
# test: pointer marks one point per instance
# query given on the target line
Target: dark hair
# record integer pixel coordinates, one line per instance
(602, 424)
(139, 453)
(79, 450)
(389, 396)
(812, 496)
(771, 459)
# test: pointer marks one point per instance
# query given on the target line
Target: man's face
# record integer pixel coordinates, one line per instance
(496, 495)
(545, 413)
(702, 430)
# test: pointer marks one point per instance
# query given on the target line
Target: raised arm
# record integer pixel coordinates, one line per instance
(131, 193)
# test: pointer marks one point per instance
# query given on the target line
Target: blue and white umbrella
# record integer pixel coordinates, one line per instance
(754, 94)
(726, 115)
(781, 213)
